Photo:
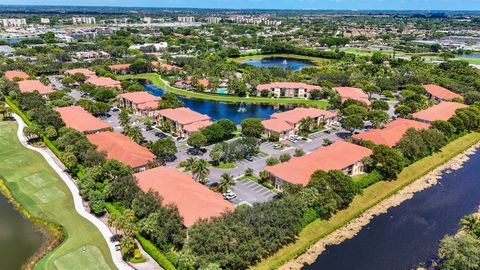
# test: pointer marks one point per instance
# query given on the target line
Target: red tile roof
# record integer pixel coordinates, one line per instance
(352, 93)
(276, 125)
(440, 92)
(442, 111)
(194, 200)
(336, 156)
(392, 133)
(164, 66)
(87, 72)
(196, 126)
(203, 82)
(150, 105)
(12, 74)
(119, 66)
(121, 148)
(104, 82)
(294, 85)
(79, 119)
(184, 116)
(296, 115)
(28, 86)
(139, 97)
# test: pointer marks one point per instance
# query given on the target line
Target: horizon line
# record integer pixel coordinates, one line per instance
(227, 8)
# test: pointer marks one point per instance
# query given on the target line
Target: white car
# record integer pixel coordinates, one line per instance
(229, 195)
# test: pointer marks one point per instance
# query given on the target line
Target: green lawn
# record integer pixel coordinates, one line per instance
(370, 197)
(37, 187)
(159, 82)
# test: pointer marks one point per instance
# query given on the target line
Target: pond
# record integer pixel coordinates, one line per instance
(408, 235)
(19, 240)
(473, 55)
(285, 63)
(236, 112)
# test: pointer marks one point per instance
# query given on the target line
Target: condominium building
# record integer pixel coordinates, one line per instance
(84, 20)
(44, 20)
(213, 19)
(13, 22)
(186, 19)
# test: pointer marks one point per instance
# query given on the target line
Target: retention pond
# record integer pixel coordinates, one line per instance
(407, 236)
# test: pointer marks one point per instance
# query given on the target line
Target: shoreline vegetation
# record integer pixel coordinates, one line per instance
(52, 234)
(374, 200)
(157, 80)
(76, 231)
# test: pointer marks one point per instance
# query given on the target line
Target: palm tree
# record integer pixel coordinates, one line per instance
(226, 182)
(200, 170)
(264, 175)
(189, 163)
(31, 132)
(306, 124)
(470, 223)
(123, 118)
(135, 133)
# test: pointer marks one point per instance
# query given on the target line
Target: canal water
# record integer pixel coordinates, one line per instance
(408, 235)
(18, 238)
(285, 63)
(218, 110)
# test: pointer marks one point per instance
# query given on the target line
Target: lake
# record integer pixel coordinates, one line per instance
(473, 55)
(18, 238)
(285, 63)
(218, 110)
(408, 235)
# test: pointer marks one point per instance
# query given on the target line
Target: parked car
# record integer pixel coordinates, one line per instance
(277, 146)
(115, 109)
(229, 195)
(160, 135)
(277, 196)
(196, 151)
(181, 139)
(249, 158)
(213, 185)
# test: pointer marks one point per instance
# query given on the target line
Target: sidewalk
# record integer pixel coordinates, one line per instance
(104, 230)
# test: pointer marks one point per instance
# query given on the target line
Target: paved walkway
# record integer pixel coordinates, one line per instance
(104, 230)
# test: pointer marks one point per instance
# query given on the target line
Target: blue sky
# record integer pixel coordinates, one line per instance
(270, 4)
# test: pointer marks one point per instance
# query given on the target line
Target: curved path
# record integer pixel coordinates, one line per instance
(78, 202)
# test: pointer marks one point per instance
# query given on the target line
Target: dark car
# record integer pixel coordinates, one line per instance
(277, 196)
(196, 151)
(249, 158)
(213, 185)
(160, 135)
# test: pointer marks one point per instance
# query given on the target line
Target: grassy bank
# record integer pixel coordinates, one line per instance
(315, 60)
(43, 194)
(370, 197)
(159, 82)
(52, 233)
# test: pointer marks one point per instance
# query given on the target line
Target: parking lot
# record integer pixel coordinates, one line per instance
(251, 192)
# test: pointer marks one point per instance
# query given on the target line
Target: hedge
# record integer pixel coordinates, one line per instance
(369, 179)
(16, 110)
(47, 141)
(156, 254)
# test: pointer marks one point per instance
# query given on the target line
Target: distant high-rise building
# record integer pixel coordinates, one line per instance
(45, 20)
(9, 22)
(147, 20)
(84, 20)
(213, 19)
(189, 19)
